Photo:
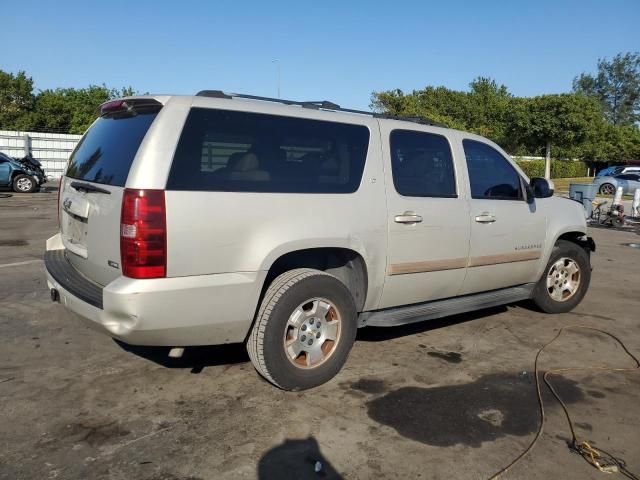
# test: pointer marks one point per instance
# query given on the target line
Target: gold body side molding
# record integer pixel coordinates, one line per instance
(455, 263)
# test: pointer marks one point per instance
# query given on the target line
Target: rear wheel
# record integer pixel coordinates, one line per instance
(304, 329)
(607, 189)
(565, 280)
(24, 184)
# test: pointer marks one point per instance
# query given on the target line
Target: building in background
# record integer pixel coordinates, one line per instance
(51, 149)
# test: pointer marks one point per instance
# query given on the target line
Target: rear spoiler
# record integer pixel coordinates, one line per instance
(129, 107)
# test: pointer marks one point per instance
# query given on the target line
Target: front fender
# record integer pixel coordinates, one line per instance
(565, 217)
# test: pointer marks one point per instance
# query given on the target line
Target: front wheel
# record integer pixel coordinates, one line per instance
(304, 329)
(565, 280)
(607, 189)
(24, 184)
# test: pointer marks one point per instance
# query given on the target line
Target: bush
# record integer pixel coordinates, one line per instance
(559, 168)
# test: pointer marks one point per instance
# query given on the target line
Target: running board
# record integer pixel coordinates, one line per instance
(443, 308)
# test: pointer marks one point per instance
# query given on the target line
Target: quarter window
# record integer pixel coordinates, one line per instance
(421, 164)
(222, 150)
(490, 174)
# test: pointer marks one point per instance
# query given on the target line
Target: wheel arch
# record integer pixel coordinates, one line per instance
(571, 234)
(346, 264)
(15, 172)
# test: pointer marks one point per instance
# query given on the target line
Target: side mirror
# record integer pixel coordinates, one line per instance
(541, 187)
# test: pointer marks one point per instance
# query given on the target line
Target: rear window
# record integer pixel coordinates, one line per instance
(222, 150)
(105, 153)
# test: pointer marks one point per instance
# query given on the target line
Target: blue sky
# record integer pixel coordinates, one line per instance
(335, 50)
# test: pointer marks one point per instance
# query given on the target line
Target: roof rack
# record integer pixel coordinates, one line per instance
(318, 105)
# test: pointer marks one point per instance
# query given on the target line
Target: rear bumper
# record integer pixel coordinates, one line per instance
(183, 311)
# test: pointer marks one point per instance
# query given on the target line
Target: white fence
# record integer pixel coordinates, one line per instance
(51, 149)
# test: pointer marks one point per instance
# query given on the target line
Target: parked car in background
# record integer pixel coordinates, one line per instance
(23, 176)
(617, 169)
(609, 184)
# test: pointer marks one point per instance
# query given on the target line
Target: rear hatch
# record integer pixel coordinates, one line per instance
(92, 189)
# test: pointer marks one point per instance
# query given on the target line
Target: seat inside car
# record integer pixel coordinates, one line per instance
(247, 168)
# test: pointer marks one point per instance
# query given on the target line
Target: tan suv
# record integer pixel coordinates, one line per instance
(218, 218)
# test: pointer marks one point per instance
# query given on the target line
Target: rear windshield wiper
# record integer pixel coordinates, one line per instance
(87, 187)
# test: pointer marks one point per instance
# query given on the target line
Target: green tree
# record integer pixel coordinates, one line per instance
(490, 107)
(616, 86)
(562, 120)
(484, 109)
(72, 109)
(16, 99)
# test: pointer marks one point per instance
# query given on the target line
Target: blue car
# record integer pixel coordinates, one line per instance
(618, 169)
(23, 176)
(605, 172)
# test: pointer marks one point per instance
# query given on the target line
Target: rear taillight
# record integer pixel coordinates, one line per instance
(143, 234)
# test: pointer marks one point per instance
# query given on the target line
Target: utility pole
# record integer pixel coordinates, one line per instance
(277, 62)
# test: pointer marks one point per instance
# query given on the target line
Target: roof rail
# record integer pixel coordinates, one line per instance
(322, 104)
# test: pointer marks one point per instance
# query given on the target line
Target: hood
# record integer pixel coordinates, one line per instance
(31, 160)
(26, 166)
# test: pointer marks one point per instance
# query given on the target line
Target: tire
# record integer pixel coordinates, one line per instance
(617, 222)
(296, 297)
(607, 189)
(552, 294)
(24, 184)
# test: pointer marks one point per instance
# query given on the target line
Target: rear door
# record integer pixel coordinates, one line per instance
(427, 218)
(93, 186)
(507, 233)
(629, 182)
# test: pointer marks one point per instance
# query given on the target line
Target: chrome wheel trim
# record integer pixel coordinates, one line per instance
(563, 279)
(312, 333)
(24, 184)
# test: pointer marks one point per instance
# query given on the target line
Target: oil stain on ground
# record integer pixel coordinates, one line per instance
(451, 357)
(369, 385)
(13, 243)
(96, 434)
(481, 411)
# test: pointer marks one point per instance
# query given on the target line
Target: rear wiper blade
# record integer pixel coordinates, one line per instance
(87, 187)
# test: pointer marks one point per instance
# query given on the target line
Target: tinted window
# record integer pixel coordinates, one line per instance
(223, 150)
(627, 176)
(491, 175)
(106, 152)
(421, 164)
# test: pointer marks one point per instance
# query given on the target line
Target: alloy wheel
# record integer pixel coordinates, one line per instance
(312, 333)
(563, 279)
(607, 189)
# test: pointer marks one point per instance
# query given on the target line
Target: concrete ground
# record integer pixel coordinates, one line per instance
(446, 399)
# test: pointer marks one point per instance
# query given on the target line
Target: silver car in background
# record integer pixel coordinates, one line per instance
(609, 184)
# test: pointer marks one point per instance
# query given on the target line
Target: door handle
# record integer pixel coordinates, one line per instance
(485, 217)
(408, 217)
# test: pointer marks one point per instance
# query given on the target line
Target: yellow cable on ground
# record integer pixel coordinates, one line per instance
(598, 458)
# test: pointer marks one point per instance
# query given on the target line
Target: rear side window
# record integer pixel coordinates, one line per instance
(421, 164)
(106, 152)
(491, 175)
(628, 176)
(222, 150)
